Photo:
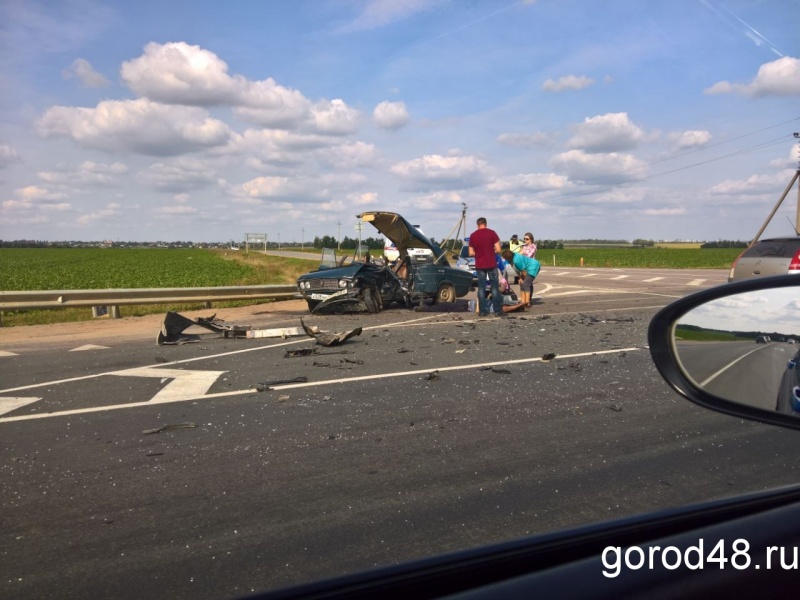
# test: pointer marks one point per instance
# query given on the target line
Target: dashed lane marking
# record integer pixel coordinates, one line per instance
(697, 282)
(620, 277)
(89, 347)
(652, 279)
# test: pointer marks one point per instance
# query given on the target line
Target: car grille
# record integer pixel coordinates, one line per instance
(325, 284)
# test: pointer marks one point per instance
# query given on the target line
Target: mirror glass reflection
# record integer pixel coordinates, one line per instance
(745, 348)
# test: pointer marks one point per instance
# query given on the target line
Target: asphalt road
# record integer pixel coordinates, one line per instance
(428, 433)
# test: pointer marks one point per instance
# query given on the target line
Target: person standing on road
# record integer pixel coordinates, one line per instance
(528, 247)
(515, 245)
(484, 244)
(528, 269)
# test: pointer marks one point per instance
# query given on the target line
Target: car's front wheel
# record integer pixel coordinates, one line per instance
(446, 293)
(373, 300)
(312, 304)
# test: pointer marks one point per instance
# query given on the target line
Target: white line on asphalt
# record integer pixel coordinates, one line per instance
(79, 411)
(726, 367)
(652, 279)
(589, 275)
(696, 282)
(620, 277)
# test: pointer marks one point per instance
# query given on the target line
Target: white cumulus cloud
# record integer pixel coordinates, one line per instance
(778, 78)
(139, 126)
(454, 172)
(607, 168)
(611, 132)
(390, 115)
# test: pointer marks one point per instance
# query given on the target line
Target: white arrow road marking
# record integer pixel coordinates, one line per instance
(185, 384)
(89, 347)
(9, 404)
(4, 353)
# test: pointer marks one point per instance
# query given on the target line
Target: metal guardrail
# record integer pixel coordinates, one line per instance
(20, 300)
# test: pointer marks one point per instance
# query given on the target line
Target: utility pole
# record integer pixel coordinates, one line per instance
(339, 235)
(783, 197)
(302, 238)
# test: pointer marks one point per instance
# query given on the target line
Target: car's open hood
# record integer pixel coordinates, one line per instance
(403, 234)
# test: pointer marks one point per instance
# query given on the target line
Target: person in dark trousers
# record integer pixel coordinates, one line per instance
(484, 244)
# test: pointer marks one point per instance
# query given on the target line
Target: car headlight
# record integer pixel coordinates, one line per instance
(343, 283)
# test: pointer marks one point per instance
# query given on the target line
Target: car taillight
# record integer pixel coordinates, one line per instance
(794, 266)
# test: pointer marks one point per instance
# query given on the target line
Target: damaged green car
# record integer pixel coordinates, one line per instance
(367, 284)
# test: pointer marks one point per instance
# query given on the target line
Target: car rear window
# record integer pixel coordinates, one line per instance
(783, 248)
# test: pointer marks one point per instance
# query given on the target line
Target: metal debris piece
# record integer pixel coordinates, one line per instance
(403, 350)
(329, 339)
(175, 324)
(433, 375)
(283, 398)
(266, 385)
(301, 352)
(549, 356)
(501, 371)
(169, 427)
(615, 408)
(282, 333)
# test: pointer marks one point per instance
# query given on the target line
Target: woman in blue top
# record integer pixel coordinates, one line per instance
(528, 268)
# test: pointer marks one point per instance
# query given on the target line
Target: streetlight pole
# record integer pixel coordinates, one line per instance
(302, 238)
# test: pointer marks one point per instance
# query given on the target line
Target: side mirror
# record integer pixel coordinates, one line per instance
(735, 348)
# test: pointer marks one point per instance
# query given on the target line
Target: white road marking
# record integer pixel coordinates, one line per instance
(589, 275)
(89, 347)
(652, 279)
(9, 404)
(185, 385)
(4, 353)
(621, 277)
(311, 384)
(696, 282)
(726, 367)
(562, 273)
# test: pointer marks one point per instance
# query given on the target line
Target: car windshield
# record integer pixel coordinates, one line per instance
(320, 415)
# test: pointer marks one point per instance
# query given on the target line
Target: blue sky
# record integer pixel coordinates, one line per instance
(572, 119)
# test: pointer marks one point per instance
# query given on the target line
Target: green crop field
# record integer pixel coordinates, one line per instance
(632, 258)
(125, 268)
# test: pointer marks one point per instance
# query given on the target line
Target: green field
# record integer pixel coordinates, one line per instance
(633, 258)
(125, 268)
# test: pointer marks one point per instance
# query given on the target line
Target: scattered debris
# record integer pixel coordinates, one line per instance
(329, 339)
(432, 376)
(501, 371)
(169, 427)
(266, 385)
(161, 359)
(283, 398)
(549, 356)
(301, 352)
(615, 408)
(154, 454)
(175, 324)
(403, 350)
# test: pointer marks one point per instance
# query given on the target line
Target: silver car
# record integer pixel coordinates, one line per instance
(778, 256)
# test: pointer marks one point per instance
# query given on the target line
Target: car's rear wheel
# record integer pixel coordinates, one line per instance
(446, 293)
(373, 300)
(312, 304)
